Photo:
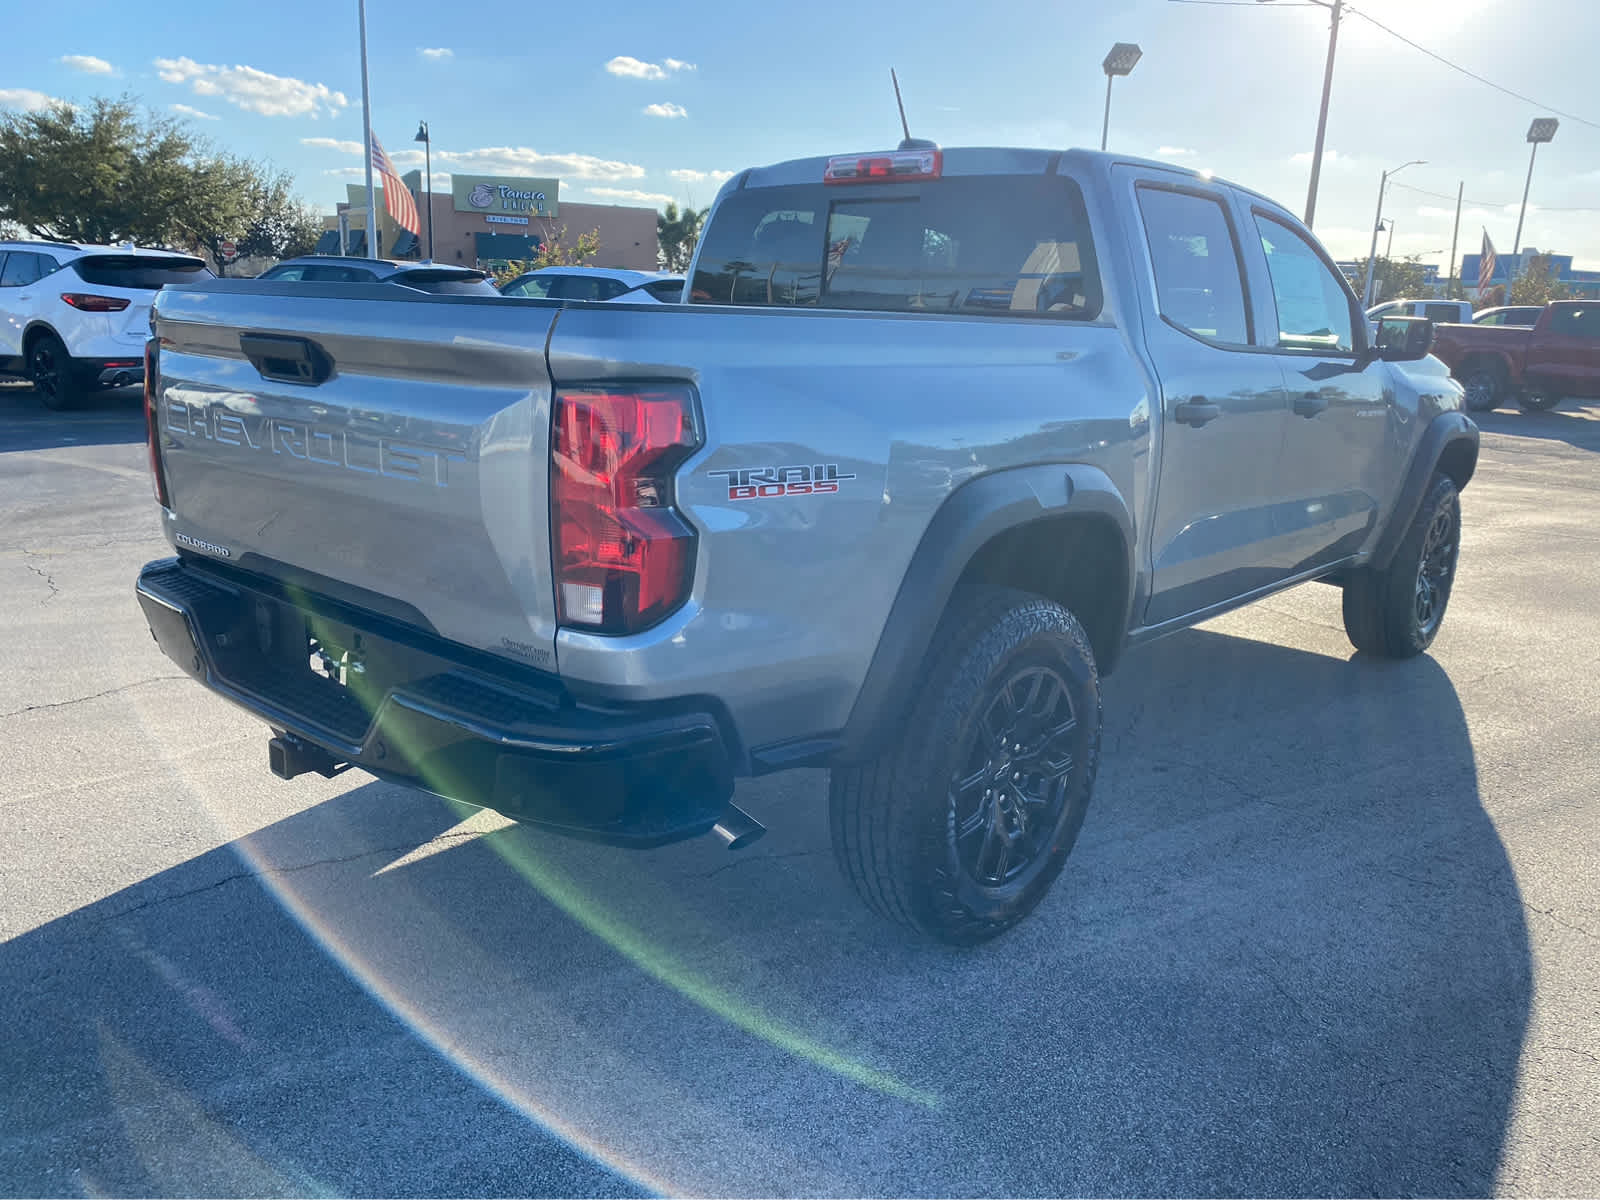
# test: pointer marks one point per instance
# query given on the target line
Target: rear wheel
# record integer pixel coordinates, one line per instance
(1537, 401)
(1484, 388)
(961, 826)
(50, 370)
(1396, 612)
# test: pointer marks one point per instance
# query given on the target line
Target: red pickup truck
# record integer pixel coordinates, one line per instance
(1559, 356)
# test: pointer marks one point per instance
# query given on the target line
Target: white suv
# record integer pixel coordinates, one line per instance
(74, 318)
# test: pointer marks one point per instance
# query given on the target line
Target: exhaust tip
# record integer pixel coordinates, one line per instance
(738, 829)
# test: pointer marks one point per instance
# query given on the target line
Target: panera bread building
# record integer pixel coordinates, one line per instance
(484, 220)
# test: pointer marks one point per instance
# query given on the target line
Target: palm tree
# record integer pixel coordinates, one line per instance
(678, 234)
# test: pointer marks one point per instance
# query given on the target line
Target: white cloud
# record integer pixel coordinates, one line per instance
(502, 160)
(436, 52)
(642, 197)
(1183, 152)
(668, 110)
(26, 98)
(684, 175)
(253, 89)
(328, 143)
(87, 63)
(194, 112)
(1330, 158)
(633, 68)
(346, 172)
(636, 68)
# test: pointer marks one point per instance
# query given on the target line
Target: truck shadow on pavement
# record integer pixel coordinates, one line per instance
(1288, 957)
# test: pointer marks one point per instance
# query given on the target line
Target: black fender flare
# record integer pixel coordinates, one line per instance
(967, 520)
(1444, 434)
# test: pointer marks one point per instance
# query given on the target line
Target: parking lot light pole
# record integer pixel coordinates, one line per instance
(1542, 130)
(1119, 60)
(427, 177)
(1377, 224)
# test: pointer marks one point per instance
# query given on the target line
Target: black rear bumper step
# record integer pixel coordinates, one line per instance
(416, 710)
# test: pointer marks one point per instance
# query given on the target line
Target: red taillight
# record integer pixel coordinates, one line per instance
(89, 302)
(623, 556)
(152, 426)
(899, 166)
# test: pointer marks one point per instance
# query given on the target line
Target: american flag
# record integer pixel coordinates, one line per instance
(396, 195)
(1487, 261)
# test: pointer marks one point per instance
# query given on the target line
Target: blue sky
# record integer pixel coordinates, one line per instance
(635, 103)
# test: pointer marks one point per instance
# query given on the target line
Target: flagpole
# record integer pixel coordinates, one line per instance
(366, 127)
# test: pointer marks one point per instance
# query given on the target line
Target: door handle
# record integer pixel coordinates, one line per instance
(1310, 404)
(1196, 412)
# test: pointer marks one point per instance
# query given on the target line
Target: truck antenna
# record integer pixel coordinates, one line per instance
(904, 128)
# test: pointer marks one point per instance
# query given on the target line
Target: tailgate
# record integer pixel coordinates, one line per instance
(365, 442)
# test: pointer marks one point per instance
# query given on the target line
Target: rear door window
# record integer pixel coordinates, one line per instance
(21, 268)
(143, 272)
(1199, 286)
(1010, 246)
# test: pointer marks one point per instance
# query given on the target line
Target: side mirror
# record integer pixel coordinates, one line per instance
(1404, 339)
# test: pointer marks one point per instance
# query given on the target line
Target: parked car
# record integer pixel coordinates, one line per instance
(1440, 312)
(1511, 314)
(439, 279)
(74, 318)
(941, 433)
(1558, 356)
(597, 283)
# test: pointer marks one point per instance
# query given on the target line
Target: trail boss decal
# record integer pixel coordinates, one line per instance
(769, 483)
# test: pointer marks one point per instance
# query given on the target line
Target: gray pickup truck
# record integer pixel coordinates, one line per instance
(935, 436)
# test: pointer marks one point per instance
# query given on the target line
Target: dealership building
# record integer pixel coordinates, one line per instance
(484, 220)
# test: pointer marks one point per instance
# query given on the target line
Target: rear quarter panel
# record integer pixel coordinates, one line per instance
(792, 593)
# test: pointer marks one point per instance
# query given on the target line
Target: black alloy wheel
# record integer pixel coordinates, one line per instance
(1007, 801)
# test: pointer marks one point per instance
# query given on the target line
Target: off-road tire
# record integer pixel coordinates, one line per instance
(50, 370)
(1537, 401)
(1485, 388)
(894, 821)
(1397, 612)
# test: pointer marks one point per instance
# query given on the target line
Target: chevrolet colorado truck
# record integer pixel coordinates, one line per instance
(1559, 356)
(935, 436)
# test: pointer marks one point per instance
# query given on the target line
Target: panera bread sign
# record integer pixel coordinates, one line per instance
(499, 195)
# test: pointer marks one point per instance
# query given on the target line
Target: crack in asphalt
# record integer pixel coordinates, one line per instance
(17, 712)
(1544, 912)
(49, 581)
(738, 862)
(397, 851)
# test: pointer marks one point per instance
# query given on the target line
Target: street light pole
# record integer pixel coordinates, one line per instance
(1377, 224)
(1542, 130)
(427, 182)
(1119, 60)
(1337, 8)
(1388, 250)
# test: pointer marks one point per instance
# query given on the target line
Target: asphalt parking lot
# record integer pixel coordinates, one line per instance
(1331, 928)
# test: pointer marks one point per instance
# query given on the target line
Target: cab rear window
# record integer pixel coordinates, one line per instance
(142, 271)
(1005, 246)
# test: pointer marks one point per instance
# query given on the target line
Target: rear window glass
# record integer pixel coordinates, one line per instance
(127, 271)
(668, 291)
(446, 283)
(1009, 246)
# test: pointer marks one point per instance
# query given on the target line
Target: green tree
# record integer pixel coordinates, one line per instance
(1394, 279)
(104, 173)
(95, 174)
(677, 235)
(1538, 284)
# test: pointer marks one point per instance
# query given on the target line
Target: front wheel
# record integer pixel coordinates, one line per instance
(1396, 612)
(1537, 401)
(961, 826)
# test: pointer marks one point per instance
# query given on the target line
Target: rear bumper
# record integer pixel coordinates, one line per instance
(414, 709)
(115, 371)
